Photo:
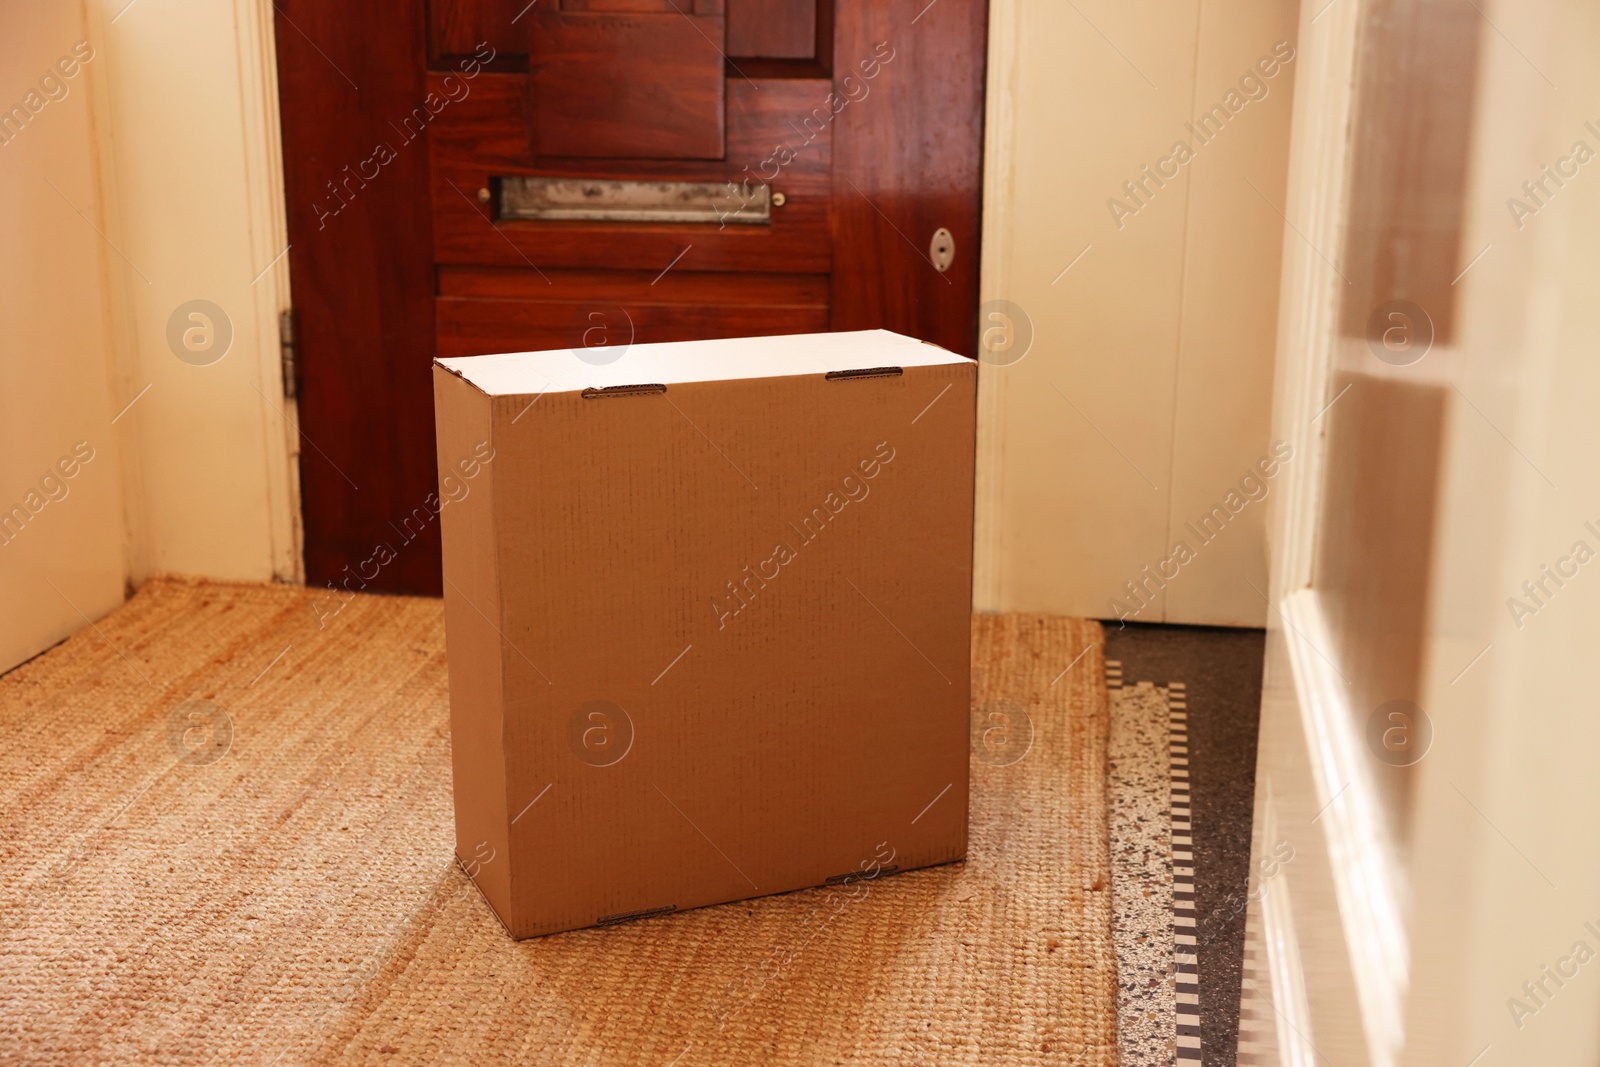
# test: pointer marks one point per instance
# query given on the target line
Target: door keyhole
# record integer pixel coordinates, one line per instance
(942, 249)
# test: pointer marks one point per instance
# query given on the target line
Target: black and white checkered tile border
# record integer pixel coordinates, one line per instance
(1184, 948)
(1185, 958)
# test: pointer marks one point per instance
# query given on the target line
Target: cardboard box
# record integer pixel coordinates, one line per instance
(708, 616)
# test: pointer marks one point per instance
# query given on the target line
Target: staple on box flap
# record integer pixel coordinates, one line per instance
(623, 390)
(861, 876)
(628, 917)
(865, 372)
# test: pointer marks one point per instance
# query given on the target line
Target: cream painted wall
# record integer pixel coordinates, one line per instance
(192, 171)
(62, 555)
(167, 143)
(1146, 394)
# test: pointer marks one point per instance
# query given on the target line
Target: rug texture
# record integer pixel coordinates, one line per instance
(228, 839)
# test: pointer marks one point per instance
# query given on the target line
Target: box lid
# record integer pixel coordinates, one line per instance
(668, 363)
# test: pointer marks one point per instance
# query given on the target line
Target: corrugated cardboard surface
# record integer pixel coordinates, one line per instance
(471, 643)
(766, 581)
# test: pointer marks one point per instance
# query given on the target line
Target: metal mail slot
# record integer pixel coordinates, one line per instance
(585, 199)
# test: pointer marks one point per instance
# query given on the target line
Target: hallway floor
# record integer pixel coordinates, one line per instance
(229, 839)
(1219, 670)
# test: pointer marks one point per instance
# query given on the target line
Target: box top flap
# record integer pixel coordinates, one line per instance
(564, 370)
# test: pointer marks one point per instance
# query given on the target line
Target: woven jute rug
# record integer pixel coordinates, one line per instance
(228, 839)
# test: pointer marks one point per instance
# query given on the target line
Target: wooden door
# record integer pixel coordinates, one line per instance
(1378, 179)
(472, 176)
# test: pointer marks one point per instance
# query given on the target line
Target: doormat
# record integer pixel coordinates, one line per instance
(229, 840)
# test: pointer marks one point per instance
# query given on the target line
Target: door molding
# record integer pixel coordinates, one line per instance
(1002, 96)
(1313, 770)
(1363, 872)
(268, 237)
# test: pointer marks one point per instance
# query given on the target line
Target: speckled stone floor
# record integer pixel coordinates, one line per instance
(1142, 875)
(1221, 669)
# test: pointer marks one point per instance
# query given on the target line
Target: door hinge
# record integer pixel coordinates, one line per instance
(287, 351)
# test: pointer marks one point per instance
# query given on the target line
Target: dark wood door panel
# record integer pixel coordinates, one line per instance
(483, 310)
(641, 81)
(480, 327)
(456, 29)
(484, 137)
(359, 260)
(678, 286)
(654, 7)
(757, 29)
(897, 181)
(772, 29)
